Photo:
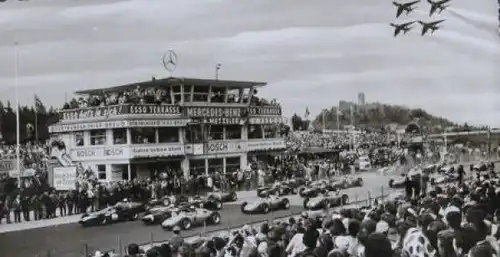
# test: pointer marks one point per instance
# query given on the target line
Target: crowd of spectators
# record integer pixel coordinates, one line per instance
(301, 140)
(156, 95)
(450, 220)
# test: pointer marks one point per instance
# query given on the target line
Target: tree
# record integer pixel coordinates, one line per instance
(297, 122)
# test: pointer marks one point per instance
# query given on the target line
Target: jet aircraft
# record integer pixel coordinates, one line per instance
(438, 5)
(406, 7)
(405, 27)
(433, 26)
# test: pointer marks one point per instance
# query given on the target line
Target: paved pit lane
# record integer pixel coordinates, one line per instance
(69, 240)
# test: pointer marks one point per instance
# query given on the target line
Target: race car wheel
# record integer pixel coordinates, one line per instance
(345, 199)
(294, 191)
(243, 207)
(186, 224)
(166, 202)
(265, 208)
(215, 218)
(306, 200)
(391, 182)
(286, 204)
(301, 191)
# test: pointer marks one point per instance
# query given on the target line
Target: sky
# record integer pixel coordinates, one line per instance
(312, 53)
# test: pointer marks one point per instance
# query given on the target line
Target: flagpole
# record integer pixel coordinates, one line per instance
(18, 144)
(36, 120)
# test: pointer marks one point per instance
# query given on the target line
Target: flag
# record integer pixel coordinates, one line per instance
(306, 115)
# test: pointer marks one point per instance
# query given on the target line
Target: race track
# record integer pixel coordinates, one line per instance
(69, 240)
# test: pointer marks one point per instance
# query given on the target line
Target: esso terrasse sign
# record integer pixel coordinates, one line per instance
(119, 110)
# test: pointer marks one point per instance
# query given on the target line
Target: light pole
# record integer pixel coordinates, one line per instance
(16, 77)
(217, 68)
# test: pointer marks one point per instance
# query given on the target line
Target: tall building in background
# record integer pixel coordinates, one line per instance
(361, 97)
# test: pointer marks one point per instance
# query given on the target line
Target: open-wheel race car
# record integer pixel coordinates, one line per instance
(312, 191)
(122, 211)
(186, 218)
(326, 201)
(398, 182)
(266, 205)
(209, 203)
(156, 215)
(278, 189)
(224, 197)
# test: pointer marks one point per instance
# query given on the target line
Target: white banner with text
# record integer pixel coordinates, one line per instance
(64, 178)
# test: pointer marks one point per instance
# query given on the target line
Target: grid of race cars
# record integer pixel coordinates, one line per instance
(188, 212)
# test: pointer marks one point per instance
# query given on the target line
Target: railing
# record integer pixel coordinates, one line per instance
(157, 239)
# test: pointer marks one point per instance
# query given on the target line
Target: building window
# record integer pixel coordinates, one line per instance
(119, 136)
(143, 135)
(255, 132)
(98, 137)
(233, 132)
(176, 93)
(79, 139)
(168, 135)
(193, 134)
(234, 96)
(215, 165)
(197, 167)
(218, 95)
(270, 131)
(187, 93)
(101, 172)
(232, 164)
(200, 93)
(216, 132)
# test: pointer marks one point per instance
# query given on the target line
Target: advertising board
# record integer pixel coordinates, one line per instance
(61, 128)
(264, 111)
(64, 178)
(218, 147)
(157, 150)
(215, 115)
(7, 166)
(99, 153)
(265, 144)
(117, 110)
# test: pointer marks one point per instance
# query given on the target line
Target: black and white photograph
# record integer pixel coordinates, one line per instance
(249, 128)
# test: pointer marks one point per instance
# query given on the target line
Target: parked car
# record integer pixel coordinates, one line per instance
(120, 212)
(266, 205)
(190, 217)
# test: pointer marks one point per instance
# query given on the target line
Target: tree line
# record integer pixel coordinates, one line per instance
(34, 122)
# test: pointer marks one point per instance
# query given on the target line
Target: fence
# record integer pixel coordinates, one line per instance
(232, 223)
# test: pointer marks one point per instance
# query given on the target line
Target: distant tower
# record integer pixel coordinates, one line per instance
(361, 97)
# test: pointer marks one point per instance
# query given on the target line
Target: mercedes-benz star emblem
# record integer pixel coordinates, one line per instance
(170, 60)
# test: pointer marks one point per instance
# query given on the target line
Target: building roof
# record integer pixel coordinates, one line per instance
(175, 81)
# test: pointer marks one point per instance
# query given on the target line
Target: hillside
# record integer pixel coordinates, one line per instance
(378, 115)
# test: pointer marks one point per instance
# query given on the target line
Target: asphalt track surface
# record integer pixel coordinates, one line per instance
(69, 240)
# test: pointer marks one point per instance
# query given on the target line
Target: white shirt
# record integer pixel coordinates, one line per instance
(295, 245)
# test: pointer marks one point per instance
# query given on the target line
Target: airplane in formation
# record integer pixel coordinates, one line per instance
(404, 7)
(432, 26)
(438, 5)
(405, 27)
